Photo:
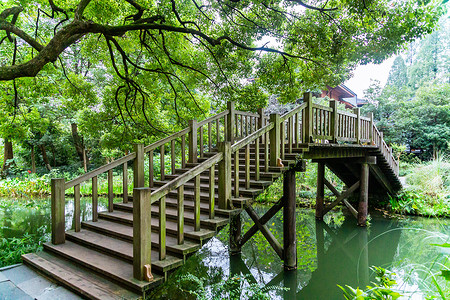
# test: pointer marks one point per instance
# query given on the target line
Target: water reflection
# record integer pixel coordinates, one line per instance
(329, 253)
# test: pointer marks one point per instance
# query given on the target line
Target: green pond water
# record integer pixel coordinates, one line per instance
(329, 253)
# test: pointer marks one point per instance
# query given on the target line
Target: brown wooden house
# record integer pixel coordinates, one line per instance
(341, 93)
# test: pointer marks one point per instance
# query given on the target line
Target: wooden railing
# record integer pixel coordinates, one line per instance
(228, 132)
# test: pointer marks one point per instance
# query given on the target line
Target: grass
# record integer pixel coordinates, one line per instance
(427, 190)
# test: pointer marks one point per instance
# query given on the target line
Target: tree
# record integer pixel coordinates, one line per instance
(398, 76)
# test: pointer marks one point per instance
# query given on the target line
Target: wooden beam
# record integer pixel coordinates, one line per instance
(363, 195)
(138, 167)
(58, 211)
(350, 208)
(266, 232)
(192, 153)
(340, 198)
(337, 194)
(307, 122)
(274, 137)
(372, 160)
(230, 122)
(381, 178)
(224, 175)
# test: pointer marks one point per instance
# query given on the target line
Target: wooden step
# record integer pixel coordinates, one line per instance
(120, 248)
(125, 233)
(82, 281)
(171, 226)
(172, 214)
(205, 186)
(113, 268)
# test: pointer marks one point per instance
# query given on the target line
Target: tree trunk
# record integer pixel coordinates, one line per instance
(45, 158)
(79, 146)
(33, 160)
(7, 155)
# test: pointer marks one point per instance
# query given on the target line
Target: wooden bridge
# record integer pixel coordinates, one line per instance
(217, 167)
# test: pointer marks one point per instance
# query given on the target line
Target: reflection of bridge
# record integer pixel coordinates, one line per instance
(350, 253)
(232, 157)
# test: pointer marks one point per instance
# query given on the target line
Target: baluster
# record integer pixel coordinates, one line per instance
(225, 124)
(236, 173)
(257, 160)
(150, 168)
(217, 131)
(161, 159)
(242, 126)
(77, 208)
(180, 215)
(247, 166)
(290, 135)
(212, 191)
(183, 151)
(236, 120)
(125, 182)
(94, 199)
(172, 156)
(209, 138)
(162, 228)
(193, 141)
(296, 128)
(110, 191)
(197, 203)
(283, 139)
(266, 153)
(201, 140)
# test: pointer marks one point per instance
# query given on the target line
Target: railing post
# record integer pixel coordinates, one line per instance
(333, 121)
(307, 123)
(225, 175)
(261, 122)
(357, 111)
(138, 167)
(193, 141)
(142, 234)
(229, 128)
(274, 137)
(58, 211)
(371, 128)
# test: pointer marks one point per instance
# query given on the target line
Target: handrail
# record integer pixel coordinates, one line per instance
(250, 138)
(166, 140)
(323, 107)
(248, 114)
(182, 179)
(213, 118)
(346, 113)
(100, 170)
(292, 112)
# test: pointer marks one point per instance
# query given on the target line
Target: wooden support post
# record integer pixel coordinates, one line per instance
(209, 137)
(225, 175)
(172, 156)
(282, 139)
(193, 141)
(333, 121)
(125, 182)
(371, 128)
(357, 111)
(94, 199)
(307, 122)
(77, 208)
(257, 159)
(142, 239)
(212, 191)
(183, 151)
(58, 211)
(363, 195)
(201, 145)
(110, 191)
(261, 121)
(235, 234)
(274, 136)
(320, 190)
(289, 228)
(229, 128)
(138, 167)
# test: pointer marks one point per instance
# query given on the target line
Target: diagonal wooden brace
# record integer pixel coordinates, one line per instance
(265, 231)
(341, 197)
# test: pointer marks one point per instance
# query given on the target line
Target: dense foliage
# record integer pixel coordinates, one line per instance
(83, 80)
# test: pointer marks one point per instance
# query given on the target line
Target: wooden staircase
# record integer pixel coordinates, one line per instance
(129, 249)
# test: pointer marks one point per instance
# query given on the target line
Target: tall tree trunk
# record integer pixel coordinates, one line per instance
(79, 145)
(45, 158)
(7, 155)
(33, 160)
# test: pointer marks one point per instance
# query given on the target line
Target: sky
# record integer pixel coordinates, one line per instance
(362, 75)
